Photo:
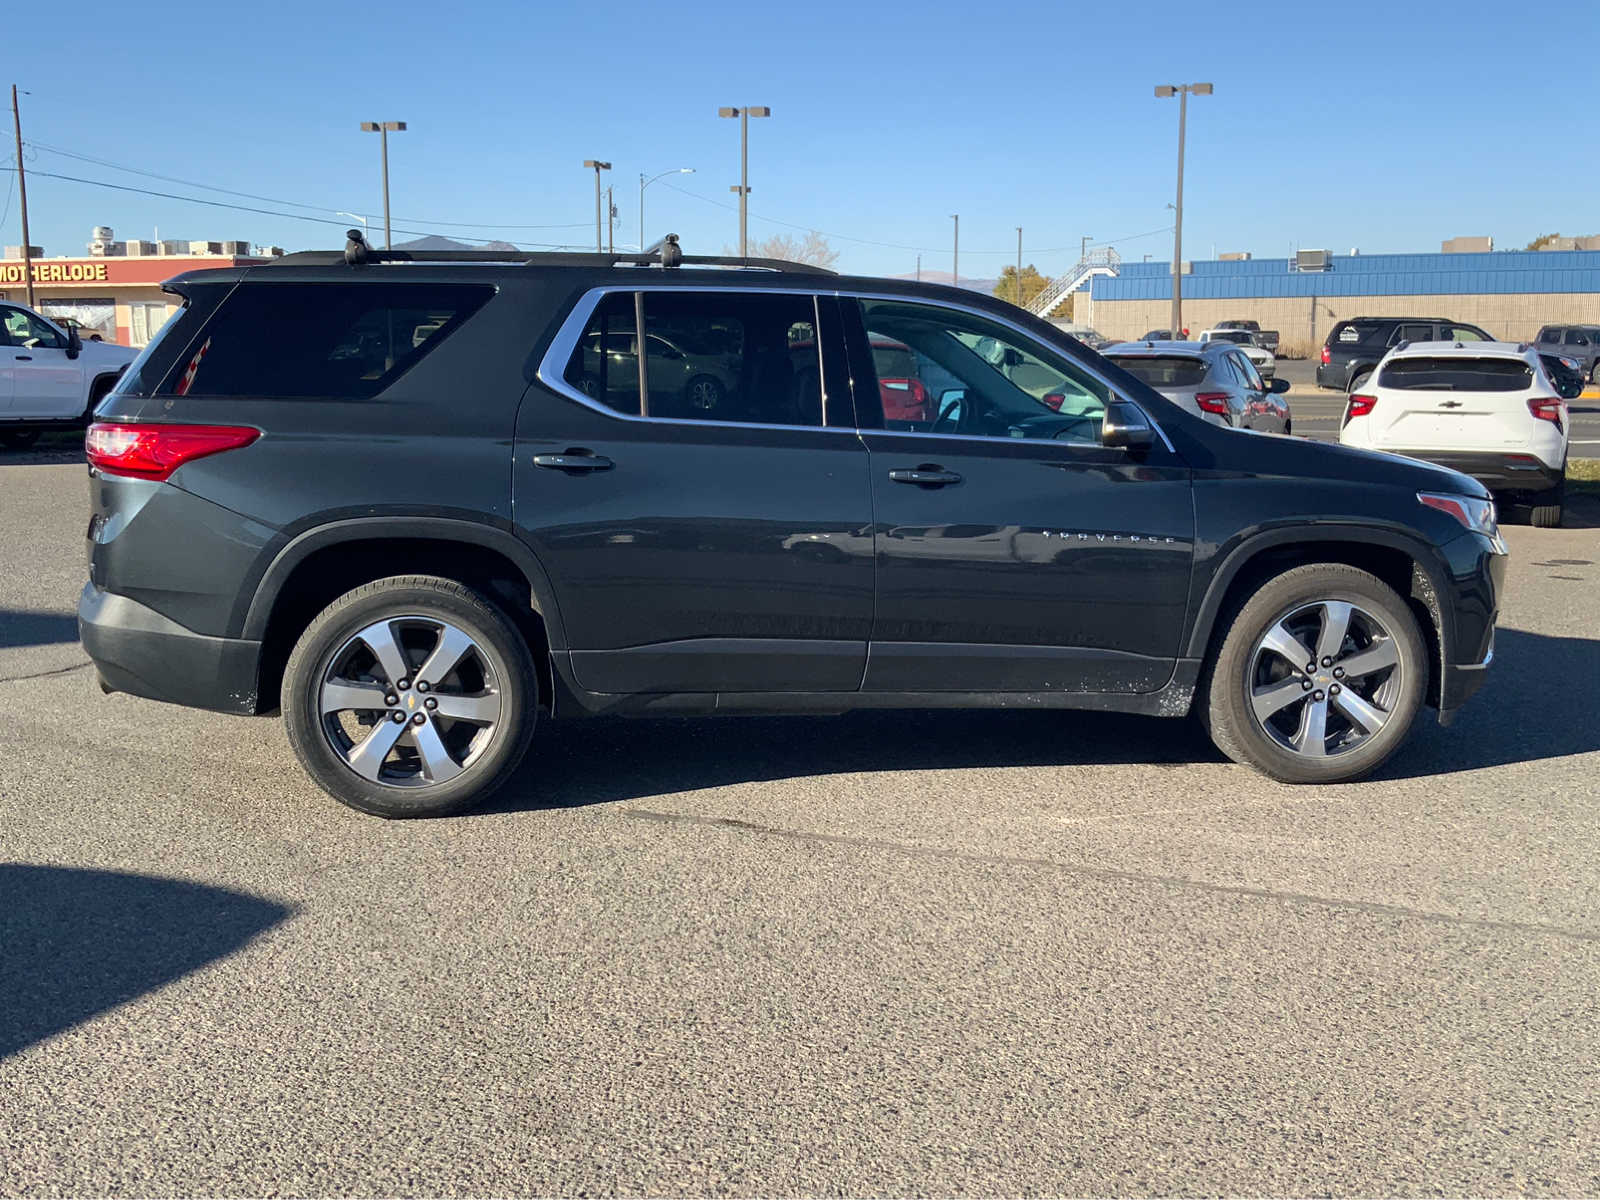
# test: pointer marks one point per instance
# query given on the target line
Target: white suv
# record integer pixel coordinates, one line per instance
(1487, 409)
(49, 378)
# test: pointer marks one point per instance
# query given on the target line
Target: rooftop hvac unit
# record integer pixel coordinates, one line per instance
(103, 233)
(138, 249)
(1311, 260)
(172, 247)
(16, 251)
(104, 249)
(236, 247)
(268, 251)
(205, 247)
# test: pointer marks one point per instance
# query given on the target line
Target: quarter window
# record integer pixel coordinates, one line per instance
(1247, 369)
(1412, 333)
(1463, 333)
(961, 373)
(340, 341)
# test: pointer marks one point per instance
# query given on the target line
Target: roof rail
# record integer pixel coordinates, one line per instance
(333, 258)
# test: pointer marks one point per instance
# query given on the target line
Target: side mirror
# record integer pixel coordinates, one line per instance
(1278, 387)
(1125, 427)
(74, 342)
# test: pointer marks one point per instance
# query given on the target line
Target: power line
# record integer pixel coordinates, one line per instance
(263, 211)
(115, 166)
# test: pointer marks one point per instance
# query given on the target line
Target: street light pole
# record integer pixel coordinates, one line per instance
(1019, 266)
(22, 188)
(744, 114)
(599, 234)
(1182, 91)
(383, 129)
(955, 254)
(644, 183)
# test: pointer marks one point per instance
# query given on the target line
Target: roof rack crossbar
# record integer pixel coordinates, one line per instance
(329, 258)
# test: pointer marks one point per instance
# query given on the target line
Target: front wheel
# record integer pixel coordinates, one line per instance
(704, 394)
(412, 696)
(1319, 677)
(1359, 381)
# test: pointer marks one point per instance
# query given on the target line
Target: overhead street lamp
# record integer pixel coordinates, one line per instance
(743, 188)
(1182, 91)
(644, 183)
(384, 129)
(599, 235)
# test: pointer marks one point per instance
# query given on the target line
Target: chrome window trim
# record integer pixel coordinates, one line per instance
(552, 365)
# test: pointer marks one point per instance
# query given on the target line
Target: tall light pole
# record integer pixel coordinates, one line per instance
(1019, 266)
(744, 114)
(1182, 91)
(644, 183)
(599, 233)
(383, 129)
(955, 255)
(22, 186)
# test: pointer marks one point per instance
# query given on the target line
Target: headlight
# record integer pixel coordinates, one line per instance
(1475, 514)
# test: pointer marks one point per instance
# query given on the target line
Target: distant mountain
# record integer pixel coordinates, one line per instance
(986, 286)
(434, 242)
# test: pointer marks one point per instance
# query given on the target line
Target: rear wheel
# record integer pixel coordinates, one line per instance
(1548, 514)
(412, 696)
(1319, 677)
(704, 394)
(1594, 372)
(1359, 380)
(19, 439)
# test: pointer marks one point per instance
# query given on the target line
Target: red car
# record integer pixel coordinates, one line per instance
(904, 396)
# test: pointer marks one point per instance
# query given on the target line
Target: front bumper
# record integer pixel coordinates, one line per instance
(1477, 566)
(137, 650)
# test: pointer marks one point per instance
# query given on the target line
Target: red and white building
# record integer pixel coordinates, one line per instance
(115, 290)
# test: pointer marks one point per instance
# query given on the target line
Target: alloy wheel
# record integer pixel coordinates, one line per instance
(1324, 679)
(410, 701)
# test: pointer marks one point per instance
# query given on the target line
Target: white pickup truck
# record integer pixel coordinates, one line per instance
(49, 377)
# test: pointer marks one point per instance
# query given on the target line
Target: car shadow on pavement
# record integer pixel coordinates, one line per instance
(604, 760)
(75, 943)
(1538, 702)
(24, 627)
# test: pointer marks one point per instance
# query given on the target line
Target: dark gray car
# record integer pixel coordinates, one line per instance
(1580, 343)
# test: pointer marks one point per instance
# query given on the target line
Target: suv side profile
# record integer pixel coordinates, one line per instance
(376, 492)
(1581, 343)
(1355, 347)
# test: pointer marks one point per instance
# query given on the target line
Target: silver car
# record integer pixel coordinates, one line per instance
(1212, 380)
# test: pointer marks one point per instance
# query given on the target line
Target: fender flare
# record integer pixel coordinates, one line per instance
(366, 529)
(1424, 561)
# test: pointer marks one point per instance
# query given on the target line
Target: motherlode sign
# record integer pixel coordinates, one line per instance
(75, 272)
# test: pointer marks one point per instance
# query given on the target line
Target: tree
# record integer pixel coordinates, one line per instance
(812, 250)
(1032, 284)
(1540, 242)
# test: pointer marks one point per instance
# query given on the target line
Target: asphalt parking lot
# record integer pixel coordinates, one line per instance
(898, 953)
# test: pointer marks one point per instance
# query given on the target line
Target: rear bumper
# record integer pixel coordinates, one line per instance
(1499, 471)
(1331, 376)
(139, 651)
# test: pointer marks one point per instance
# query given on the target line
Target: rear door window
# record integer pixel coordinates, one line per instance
(1457, 375)
(346, 341)
(1412, 333)
(1163, 370)
(1463, 333)
(1577, 337)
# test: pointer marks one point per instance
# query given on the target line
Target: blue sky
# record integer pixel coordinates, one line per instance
(887, 118)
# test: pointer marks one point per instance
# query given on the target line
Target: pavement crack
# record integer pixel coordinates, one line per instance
(1172, 881)
(47, 674)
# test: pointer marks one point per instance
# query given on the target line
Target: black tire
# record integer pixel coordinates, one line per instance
(97, 393)
(703, 393)
(1594, 372)
(426, 598)
(19, 439)
(1226, 709)
(1358, 381)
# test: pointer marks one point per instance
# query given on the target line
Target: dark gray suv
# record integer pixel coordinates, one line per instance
(1580, 343)
(400, 497)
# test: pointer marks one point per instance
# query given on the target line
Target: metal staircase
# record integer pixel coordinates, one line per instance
(1097, 262)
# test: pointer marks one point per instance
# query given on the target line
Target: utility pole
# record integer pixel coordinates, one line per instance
(919, 268)
(744, 114)
(384, 129)
(1019, 266)
(955, 256)
(611, 222)
(599, 232)
(22, 190)
(1182, 91)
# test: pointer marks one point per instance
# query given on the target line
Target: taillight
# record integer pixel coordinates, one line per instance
(1213, 402)
(1327, 356)
(1546, 408)
(1359, 406)
(156, 451)
(1053, 401)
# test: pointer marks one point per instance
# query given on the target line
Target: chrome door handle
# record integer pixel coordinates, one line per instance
(24, 358)
(925, 476)
(573, 462)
